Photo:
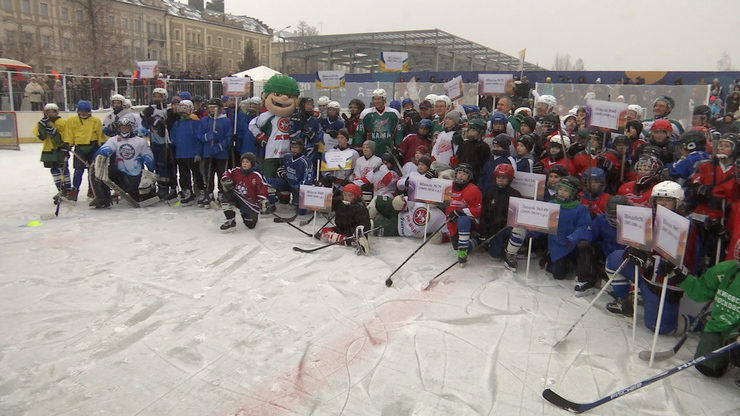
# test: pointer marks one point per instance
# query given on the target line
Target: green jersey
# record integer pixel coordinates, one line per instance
(382, 128)
(721, 283)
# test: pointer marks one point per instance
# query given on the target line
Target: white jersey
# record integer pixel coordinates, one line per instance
(343, 174)
(112, 117)
(402, 186)
(365, 166)
(408, 168)
(411, 220)
(130, 154)
(443, 149)
(383, 180)
(277, 129)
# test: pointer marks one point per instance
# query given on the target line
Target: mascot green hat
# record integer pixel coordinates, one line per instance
(282, 84)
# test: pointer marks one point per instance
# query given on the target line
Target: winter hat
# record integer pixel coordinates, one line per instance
(395, 104)
(503, 140)
(425, 160)
(370, 144)
(353, 189)
(661, 124)
(426, 105)
(250, 157)
(184, 95)
(454, 116)
(282, 84)
(667, 100)
(530, 122)
(528, 141)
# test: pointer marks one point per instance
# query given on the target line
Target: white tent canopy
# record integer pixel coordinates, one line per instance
(260, 73)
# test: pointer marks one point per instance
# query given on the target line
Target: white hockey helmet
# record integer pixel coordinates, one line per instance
(118, 97)
(548, 100)
(333, 104)
(380, 93)
(667, 189)
(445, 99)
(563, 141)
(636, 108)
(51, 106)
(431, 98)
(187, 104)
(126, 103)
(161, 91)
(323, 100)
(565, 118)
(254, 100)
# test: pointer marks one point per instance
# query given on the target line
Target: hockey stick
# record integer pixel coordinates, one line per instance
(297, 228)
(389, 280)
(431, 281)
(311, 250)
(662, 355)
(61, 184)
(574, 407)
(284, 219)
(598, 295)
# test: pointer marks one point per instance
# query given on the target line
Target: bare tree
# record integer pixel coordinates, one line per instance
(724, 63)
(304, 29)
(212, 64)
(579, 66)
(94, 34)
(562, 62)
(250, 58)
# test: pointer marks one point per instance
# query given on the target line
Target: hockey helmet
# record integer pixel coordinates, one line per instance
(468, 170)
(667, 189)
(380, 93)
(353, 189)
(160, 91)
(504, 169)
(571, 183)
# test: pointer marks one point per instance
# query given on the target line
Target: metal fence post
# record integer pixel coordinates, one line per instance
(64, 89)
(10, 90)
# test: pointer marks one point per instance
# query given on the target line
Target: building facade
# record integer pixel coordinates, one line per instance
(87, 37)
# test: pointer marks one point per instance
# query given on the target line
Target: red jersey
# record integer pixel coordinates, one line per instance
(470, 200)
(251, 187)
(724, 186)
(628, 190)
(596, 206)
(548, 163)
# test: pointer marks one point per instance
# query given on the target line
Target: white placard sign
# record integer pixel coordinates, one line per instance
(533, 215)
(605, 114)
(394, 61)
(329, 79)
(434, 190)
(147, 69)
(529, 184)
(635, 226)
(671, 234)
(337, 160)
(494, 84)
(314, 198)
(454, 88)
(236, 86)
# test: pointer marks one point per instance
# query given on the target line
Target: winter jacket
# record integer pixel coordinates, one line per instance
(184, 136)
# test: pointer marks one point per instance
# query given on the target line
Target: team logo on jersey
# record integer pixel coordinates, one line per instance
(283, 125)
(420, 216)
(126, 151)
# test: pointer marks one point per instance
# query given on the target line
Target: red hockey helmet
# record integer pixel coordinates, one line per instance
(353, 189)
(504, 169)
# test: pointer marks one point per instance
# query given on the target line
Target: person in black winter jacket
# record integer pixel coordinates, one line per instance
(351, 218)
(471, 148)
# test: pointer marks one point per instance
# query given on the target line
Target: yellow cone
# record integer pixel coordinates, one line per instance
(33, 224)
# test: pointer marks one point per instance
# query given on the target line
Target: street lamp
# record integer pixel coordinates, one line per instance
(282, 63)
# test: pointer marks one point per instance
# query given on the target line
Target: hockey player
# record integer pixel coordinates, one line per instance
(86, 133)
(351, 218)
(323, 106)
(464, 211)
(660, 140)
(122, 159)
(604, 234)
(356, 107)
(412, 166)
(556, 154)
(304, 125)
(471, 149)
(570, 244)
(330, 125)
(55, 151)
(442, 105)
(557, 172)
(340, 177)
(445, 145)
(244, 188)
(412, 141)
(294, 171)
(662, 107)
(593, 196)
(184, 135)
(423, 168)
(648, 170)
(154, 118)
(494, 216)
(499, 155)
(670, 195)
(406, 218)
(379, 124)
(367, 163)
(383, 178)
(721, 282)
(215, 136)
(692, 143)
(524, 160)
(110, 121)
(544, 104)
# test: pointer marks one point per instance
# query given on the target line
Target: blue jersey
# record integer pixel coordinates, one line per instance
(215, 137)
(298, 171)
(604, 235)
(184, 136)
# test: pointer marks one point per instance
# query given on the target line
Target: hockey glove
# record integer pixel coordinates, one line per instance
(64, 146)
(227, 184)
(281, 172)
(641, 258)
(431, 173)
(261, 140)
(604, 164)
(675, 275)
(455, 214)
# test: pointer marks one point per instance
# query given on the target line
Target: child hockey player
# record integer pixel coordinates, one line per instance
(593, 196)
(494, 216)
(86, 133)
(184, 136)
(403, 217)
(572, 239)
(244, 188)
(130, 153)
(351, 219)
(339, 177)
(294, 171)
(464, 211)
(54, 153)
(215, 137)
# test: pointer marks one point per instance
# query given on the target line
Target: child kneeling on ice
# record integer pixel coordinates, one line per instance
(246, 189)
(351, 219)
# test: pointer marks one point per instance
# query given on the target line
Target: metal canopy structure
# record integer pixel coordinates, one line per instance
(429, 50)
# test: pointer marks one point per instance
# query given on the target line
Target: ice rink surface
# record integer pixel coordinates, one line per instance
(155, 311)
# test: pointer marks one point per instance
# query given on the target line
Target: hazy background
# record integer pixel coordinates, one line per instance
(606, 35)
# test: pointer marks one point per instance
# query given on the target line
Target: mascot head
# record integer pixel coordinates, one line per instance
(281, 95)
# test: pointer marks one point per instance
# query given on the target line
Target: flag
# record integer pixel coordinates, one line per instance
(522, 53)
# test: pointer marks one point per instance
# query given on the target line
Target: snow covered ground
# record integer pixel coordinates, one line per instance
(156, 312)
